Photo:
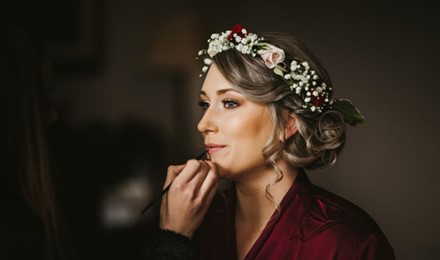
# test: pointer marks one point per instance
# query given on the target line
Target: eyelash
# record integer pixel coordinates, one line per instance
(203, 104)
(227, 103)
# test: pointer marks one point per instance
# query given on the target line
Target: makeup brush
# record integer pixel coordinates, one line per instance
(199, 157)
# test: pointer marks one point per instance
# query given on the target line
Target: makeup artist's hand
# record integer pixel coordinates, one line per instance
(185, 205)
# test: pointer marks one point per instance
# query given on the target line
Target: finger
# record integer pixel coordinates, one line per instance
(172, 172)
(191, 169)
(164, 204)
(199, 177)
(210, 183)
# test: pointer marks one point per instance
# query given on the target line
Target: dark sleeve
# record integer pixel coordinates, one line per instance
(375, 247)
(169, 245)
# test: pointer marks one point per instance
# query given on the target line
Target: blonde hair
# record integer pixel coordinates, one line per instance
(320, 136)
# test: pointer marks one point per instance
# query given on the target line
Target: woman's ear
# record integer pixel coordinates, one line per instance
(290, 125)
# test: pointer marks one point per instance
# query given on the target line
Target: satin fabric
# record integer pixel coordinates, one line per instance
(312, 223)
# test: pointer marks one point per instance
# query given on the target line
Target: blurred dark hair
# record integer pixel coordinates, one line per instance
(25, 163)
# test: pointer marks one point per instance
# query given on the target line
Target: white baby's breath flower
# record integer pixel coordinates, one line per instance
(306, 65)
(300, 78)
(245, 49)
(294, 65)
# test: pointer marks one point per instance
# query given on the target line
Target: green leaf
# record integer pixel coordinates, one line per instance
(277, 70)
(351, 114)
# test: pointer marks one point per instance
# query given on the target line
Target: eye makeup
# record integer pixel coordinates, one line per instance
(230, 103)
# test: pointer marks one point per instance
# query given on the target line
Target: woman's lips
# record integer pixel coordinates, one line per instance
(213, 147)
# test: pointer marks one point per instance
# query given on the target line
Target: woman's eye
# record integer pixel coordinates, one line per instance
(229, 103)
(203, 104)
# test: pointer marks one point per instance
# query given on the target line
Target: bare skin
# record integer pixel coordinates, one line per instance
(236, 131)
(254, 210)
(184, 206)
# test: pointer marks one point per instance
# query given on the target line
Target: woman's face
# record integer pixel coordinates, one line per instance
(235, 129)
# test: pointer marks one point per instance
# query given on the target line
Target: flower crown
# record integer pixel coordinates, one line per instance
(301, 79)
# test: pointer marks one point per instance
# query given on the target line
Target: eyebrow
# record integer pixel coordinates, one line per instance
(220, 91)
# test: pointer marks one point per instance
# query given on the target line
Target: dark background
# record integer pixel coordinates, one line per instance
(127, 90)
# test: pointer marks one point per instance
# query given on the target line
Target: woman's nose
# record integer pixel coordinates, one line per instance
(207, 122)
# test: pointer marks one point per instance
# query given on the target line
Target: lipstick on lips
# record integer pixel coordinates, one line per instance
(212, 148)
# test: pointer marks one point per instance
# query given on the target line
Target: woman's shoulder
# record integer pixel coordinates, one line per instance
(333, 222)
(330, 214)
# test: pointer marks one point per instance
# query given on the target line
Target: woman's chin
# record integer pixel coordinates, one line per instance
(222, 173)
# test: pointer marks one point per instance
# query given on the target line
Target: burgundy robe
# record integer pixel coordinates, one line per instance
(312, 224)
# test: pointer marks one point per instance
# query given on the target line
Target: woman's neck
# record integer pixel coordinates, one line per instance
(253, 203)
(253, 206)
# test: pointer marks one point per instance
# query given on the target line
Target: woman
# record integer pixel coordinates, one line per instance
(269, 117)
